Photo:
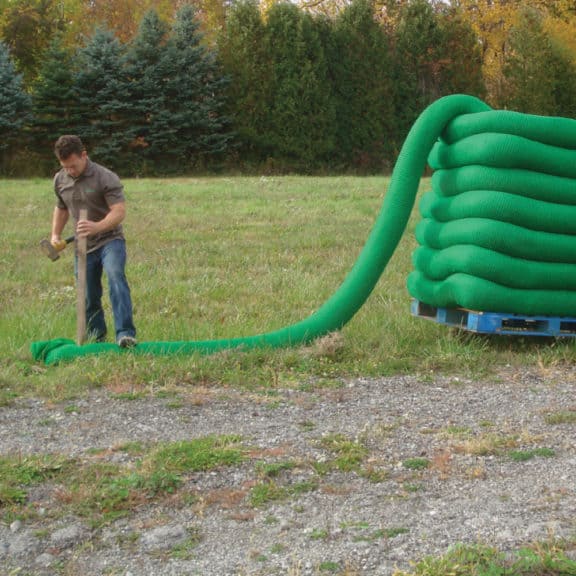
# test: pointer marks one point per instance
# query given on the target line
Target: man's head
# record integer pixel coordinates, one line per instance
(71, 154)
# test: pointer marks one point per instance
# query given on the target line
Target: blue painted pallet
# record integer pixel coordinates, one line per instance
(496, 322)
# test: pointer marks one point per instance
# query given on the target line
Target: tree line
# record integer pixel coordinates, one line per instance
(276, 87)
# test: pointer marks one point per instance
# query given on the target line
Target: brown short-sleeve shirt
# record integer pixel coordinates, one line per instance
(96, 189)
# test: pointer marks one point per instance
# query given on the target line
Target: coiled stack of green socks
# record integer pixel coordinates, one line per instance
(499, 227)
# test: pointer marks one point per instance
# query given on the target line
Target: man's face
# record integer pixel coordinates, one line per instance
(75, 164)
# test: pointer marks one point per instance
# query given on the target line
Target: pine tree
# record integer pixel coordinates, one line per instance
(362, 69)
(191, 128)
(416, 37)
(302, 111)
(101, 90)
(14, 104)
(147, 74)
(243, 54)
(53, 96)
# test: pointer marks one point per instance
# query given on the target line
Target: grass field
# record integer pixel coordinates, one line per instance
(226, 257)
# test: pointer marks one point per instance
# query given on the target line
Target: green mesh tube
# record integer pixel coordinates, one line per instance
(501, 206)
(490, 265)
(504, 151)
(473, 149)
(498, 231)
(558, 132)
(547, 187)
(474, 293)
(500, 237)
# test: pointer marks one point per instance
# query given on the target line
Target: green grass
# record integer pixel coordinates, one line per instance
(267, 491)
(349, 454)
(524, 455)
(540, 560)
(197, 455)
(18, 473)
(103, 491)
(416, 463)
(561, 417)
(225, 257)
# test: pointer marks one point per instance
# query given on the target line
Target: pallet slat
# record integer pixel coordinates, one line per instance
(496, 322)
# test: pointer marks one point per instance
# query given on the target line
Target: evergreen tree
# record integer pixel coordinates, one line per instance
(417, 37)
(147, 75)
(14, 103)
(362, 69)
(243, 54)
(191, 128)
(302, 110)
(53, 96)
(101, 90)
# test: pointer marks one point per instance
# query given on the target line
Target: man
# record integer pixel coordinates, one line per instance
(82, 183)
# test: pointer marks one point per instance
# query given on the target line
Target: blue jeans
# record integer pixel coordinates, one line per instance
(110, 258)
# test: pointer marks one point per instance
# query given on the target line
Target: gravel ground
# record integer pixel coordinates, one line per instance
(349, 523)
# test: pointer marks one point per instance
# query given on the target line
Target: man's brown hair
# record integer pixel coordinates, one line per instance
(67, 145)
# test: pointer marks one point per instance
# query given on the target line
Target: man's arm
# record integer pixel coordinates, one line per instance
(114, 218)
(59, 219)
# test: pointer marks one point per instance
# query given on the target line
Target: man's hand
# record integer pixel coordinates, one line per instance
(87, 228)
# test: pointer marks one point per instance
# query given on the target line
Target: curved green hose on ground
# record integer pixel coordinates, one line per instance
(461, 122)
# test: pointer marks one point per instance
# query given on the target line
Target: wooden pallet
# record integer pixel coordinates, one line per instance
(496, 322)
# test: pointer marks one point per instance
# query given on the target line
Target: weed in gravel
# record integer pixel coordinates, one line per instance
(197, 455)
(307, 425)
(561, 417)
(271, 491)
(71, 409)
(376, 434)
(185, 550)
(482, 560)
(273, 469)
(104, 491)
(488, 444)
(328, 566)
(17, 473)
(175, 404)
(416, 463)
(265, 492)
(349, 454)
(374, 474)
(303, 487)
(412, 487)
(319, 534)
(524, 455)
(456, 432)
(363, 532)
(132, 448)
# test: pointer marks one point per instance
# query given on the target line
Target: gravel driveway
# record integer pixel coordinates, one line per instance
(443, 461)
